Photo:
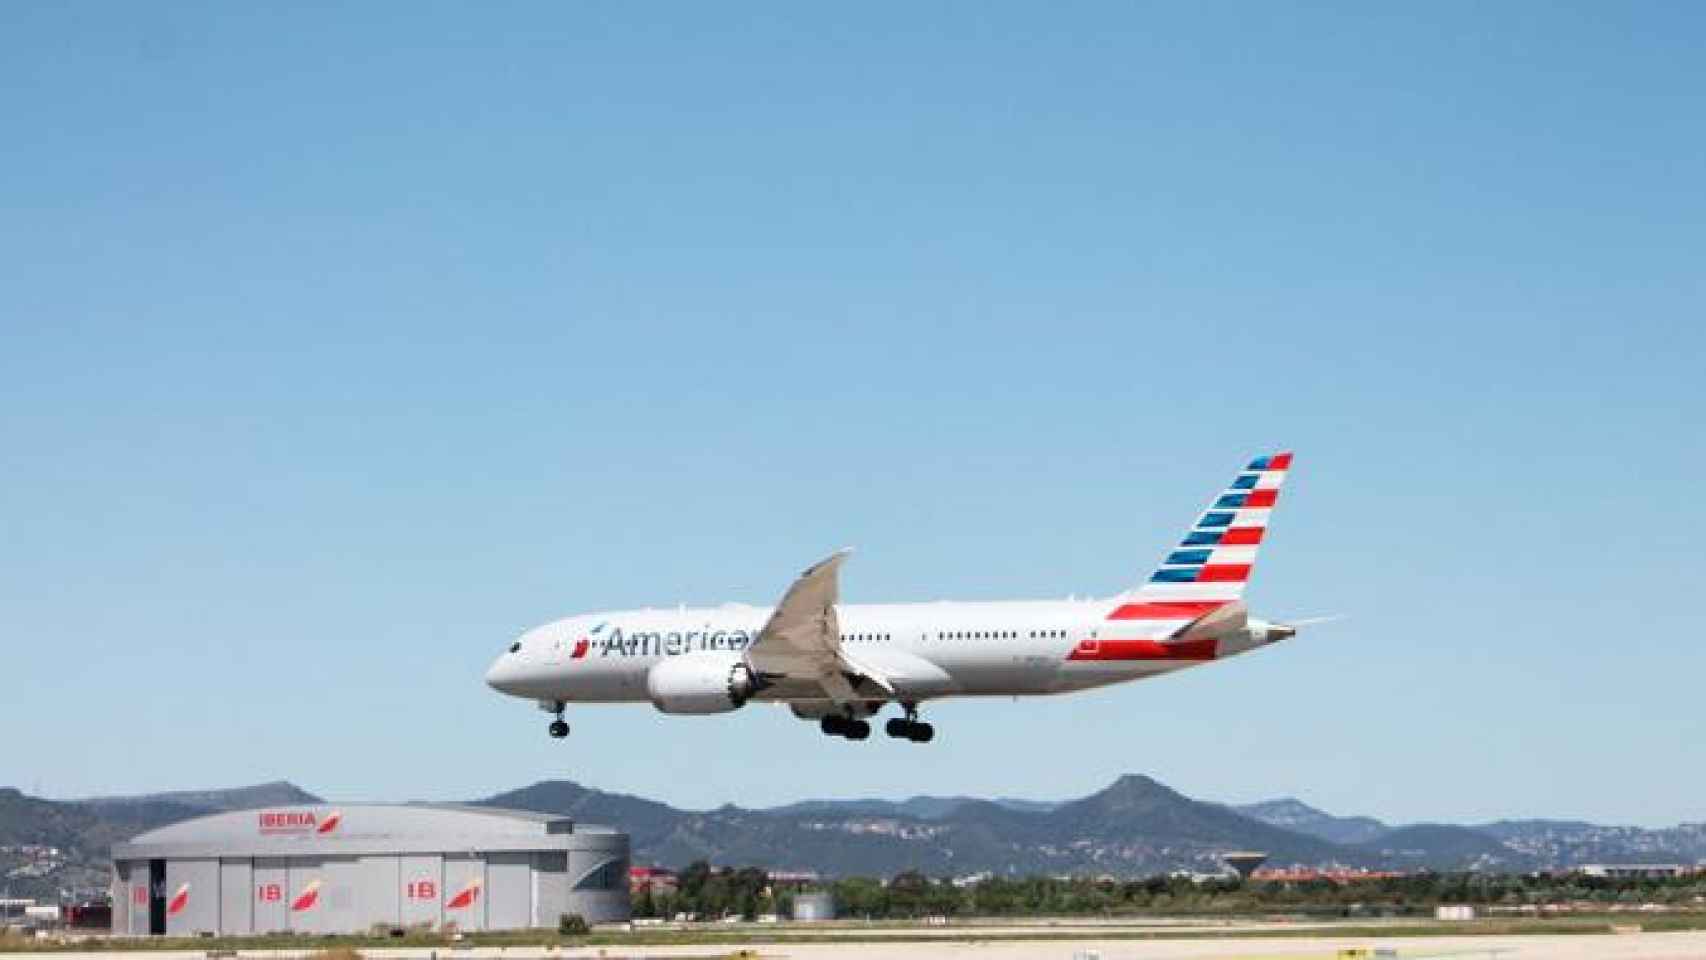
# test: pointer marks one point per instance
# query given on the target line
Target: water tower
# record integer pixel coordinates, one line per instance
(1243, 862)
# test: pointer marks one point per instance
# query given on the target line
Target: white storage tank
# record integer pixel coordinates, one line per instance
(814, 905)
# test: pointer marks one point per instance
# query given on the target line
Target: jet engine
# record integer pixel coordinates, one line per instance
(708, 681)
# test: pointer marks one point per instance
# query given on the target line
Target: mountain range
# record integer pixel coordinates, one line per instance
(1135, 826)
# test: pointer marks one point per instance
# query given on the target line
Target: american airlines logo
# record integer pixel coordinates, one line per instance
(585, 642)
(299, 821)
(653, 643)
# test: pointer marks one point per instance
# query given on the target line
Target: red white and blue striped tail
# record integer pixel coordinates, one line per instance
(1211, 565)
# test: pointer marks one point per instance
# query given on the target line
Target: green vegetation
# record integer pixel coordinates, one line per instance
(709, 894)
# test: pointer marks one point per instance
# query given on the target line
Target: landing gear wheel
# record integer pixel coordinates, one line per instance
(558, 729)
(843, 727)
(910, 730)
(910, 727)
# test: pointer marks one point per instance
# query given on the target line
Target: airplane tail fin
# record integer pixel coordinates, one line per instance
(1211, 565)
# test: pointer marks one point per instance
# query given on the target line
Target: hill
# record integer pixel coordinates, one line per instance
(1441, 846)
(1293, 814)
(80, 833)
(920, 807)
(277, 793)
(1135, 826)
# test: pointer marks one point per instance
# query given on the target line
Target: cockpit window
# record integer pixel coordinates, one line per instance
(515, 647)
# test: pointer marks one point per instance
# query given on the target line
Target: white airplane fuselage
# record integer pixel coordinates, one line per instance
(839, 663)
(924, 650)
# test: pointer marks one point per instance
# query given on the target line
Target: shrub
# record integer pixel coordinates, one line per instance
(572, 925)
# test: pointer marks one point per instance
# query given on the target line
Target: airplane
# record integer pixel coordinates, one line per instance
(840, 664)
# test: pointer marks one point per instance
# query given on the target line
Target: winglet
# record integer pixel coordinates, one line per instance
(827, 563)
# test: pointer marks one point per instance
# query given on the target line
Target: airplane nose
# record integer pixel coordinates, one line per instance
(503, 674)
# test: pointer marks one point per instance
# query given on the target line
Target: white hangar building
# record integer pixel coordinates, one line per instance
(354, 868)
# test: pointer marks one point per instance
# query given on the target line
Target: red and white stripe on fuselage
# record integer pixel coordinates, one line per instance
(1137, 631)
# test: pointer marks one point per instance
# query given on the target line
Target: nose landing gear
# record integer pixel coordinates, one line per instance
(559, 728)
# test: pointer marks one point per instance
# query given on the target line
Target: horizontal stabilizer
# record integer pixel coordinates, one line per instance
(1219, 622)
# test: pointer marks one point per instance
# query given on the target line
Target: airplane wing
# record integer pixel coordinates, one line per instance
(802, 640)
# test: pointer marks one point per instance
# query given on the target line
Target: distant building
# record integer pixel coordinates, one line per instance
(90, 915)
(1309, 874)
(971, 879)
(656, 880)
(1637, 871)
(817, 905)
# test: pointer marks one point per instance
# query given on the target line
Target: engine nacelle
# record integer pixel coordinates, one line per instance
(709, 681)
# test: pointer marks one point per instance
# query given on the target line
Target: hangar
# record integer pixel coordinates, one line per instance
(352, 868)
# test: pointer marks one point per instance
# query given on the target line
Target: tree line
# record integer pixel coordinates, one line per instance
(708, 892)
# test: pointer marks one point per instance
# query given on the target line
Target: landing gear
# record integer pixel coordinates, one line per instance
(844, 727)
(910, 727)
(559, 728)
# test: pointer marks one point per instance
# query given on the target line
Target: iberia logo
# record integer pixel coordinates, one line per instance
(585, 642)
(299, 821)
(179, 901)
(465, 897)
(306, 900)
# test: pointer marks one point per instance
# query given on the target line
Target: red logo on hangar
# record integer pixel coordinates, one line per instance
(300, 821)
(307, 899)
(465, 897)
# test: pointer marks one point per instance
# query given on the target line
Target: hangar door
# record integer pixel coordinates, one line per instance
(510, 878)
(465, 891)
(236, 899)
(271, 905)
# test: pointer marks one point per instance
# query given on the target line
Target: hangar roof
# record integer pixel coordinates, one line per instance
(358, 828)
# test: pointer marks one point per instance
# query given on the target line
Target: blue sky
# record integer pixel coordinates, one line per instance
(341, 345)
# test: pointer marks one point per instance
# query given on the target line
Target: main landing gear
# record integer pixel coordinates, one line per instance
(559, 727)
(910, 727)
(845, 727)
